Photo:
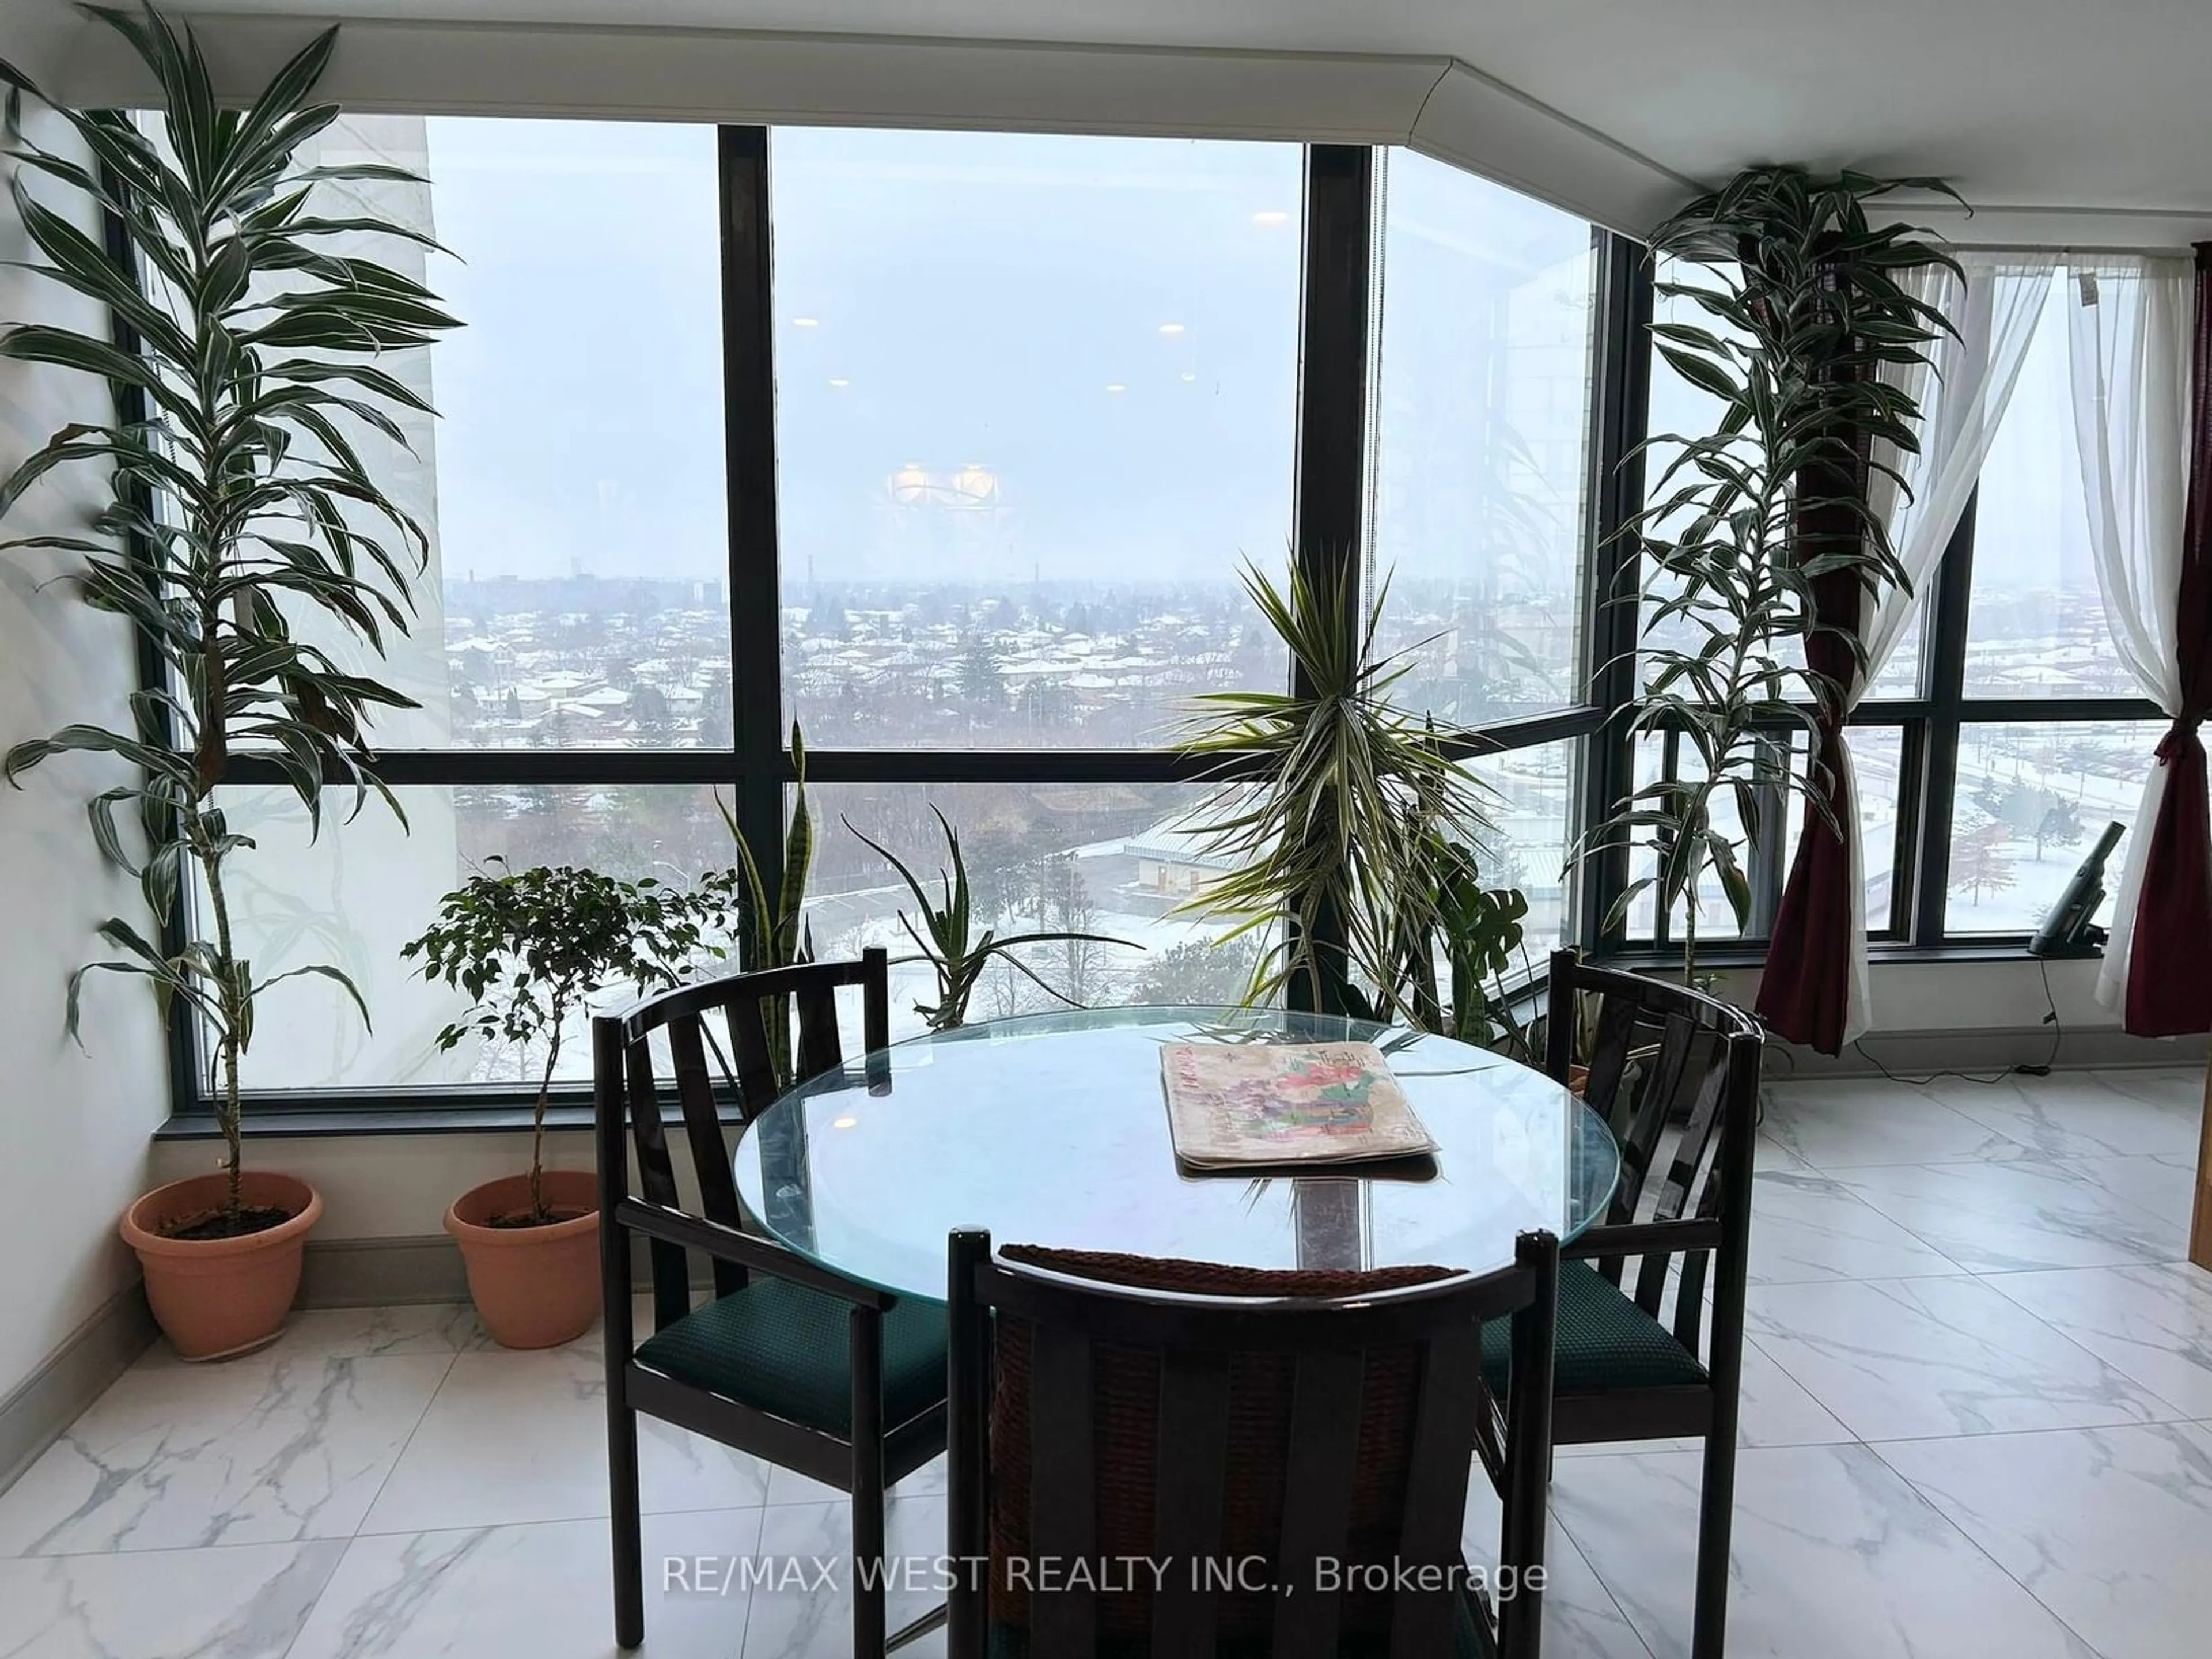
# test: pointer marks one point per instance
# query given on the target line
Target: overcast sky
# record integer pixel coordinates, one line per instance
(999, 356)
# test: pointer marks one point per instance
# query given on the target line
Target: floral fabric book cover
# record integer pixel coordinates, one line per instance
(1302, 1103)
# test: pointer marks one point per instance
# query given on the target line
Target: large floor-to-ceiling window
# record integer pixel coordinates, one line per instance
(2006, 734)
(948, 449)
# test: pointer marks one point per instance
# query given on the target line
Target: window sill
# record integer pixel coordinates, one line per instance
(1880, 953)
(389, 1114)
(372, 1113)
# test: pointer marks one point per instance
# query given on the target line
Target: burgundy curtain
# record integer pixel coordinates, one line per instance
(1804, 994)
(2170, 963)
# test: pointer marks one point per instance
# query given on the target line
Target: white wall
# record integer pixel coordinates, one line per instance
(1911, 997)
(77, 1121)
(386, 1186)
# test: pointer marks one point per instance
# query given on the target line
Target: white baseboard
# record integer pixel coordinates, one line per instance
(39, 1408)
(1917, 1054)
(376, 1273)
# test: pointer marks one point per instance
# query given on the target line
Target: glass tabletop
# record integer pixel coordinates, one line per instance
(1053, 1130)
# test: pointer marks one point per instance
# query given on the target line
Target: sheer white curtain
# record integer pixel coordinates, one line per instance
(2129, 326)
(1963, 390)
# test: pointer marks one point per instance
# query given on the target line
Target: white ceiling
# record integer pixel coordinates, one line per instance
(2097, 104)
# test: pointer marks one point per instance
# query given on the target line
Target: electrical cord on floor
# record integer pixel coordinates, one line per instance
(2050, 1018)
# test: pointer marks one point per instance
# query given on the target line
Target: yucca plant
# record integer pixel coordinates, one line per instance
(240, 516)
(1802, 311)
(951, 944)
(1329, 800)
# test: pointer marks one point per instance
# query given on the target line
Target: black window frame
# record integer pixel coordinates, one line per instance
(1336, 326)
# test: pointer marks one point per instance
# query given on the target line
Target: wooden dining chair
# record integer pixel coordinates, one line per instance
(790, 1361)
(1675, 1074)
(1269, 1444)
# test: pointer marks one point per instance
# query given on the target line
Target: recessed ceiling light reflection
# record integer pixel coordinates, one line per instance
(1271, 216)
(844, 1122)
(1170, 328)
(1116, 387)
(839, 380)
(806, 322)
(1188, 375)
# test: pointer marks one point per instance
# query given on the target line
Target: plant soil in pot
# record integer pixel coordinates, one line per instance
(535, 1284)
(215, 1290)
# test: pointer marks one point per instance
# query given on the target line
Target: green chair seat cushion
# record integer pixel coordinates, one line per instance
(784, 1349)
(1471, 1639)
(1605, 1342)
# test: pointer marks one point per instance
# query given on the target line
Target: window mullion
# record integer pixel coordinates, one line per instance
(749, 440)
(1943, 675)
(1620, 416)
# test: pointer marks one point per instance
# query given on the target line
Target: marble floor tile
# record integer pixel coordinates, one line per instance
(1834, 1556)
(795, 1616)
(788, 1487)
(541, 1591)
(1898, 1360)
(1581, 1619)
(266, 1449)
(2110, 1528)
(243, 1601)
(1770, 1154)
(2165, 1185)
(519, 1436)
(2152, 1323)
(2088, 1114)
(2014, 1217)
(350, 1332)
(1852, 1123)
(1806, 1227)
(1775, 1409)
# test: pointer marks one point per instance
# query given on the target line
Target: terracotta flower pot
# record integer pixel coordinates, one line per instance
(533, 1286)
(215, 1297)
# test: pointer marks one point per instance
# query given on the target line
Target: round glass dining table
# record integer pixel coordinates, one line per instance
(1053, 1130)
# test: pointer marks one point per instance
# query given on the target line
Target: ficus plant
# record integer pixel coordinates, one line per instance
(1330, 796)
(241, 523)
(1800, 311)
(530, 947)
(947, 939)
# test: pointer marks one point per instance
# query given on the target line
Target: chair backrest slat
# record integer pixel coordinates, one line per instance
(818, 1047)
(747, 1019)
(656, 1180)
(683, 1014)
(1193, 1484)
(1655, 1103)
(1063, 1501)
(702, 1130)
(1317, 1483)
(1448, 1409)
(702, 1119)
(1700, 1077)
(1608, 1060)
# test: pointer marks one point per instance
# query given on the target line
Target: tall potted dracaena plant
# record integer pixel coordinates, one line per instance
(1801, 325)
(241, 526)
